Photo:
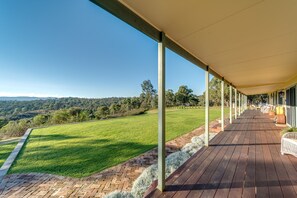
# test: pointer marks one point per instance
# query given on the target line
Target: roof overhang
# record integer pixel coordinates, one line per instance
(252, 44)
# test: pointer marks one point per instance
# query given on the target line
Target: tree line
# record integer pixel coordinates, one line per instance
(17, 116)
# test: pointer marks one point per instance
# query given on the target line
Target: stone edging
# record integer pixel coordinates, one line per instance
(3, 142)
(9, 161)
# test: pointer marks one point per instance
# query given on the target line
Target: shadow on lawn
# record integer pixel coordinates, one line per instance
(98, 141)
(77, 159)
(54, 137)
(5, 151)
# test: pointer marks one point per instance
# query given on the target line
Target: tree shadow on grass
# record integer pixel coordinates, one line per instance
(5, 151)
(77, 160)
(98, 141)
(54, 137)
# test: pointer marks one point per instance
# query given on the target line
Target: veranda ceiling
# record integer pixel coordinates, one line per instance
(251, 43)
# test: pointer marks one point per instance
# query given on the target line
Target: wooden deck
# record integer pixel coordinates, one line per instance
(242, 161)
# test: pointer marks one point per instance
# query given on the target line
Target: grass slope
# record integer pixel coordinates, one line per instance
(5, 151)
(79, 150)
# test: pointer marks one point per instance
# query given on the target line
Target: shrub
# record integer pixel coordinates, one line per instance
(40, 120)
(135, 112)
(77, 114)
(15, 128)
(175, 160)
(288, 129)
(150, 174)
(84, 116)
(147, 177)
(3, 122)
(60, 117)
(211, 135)
(114, 108)
(197, 140)
(119, 194)
(102, 112)
(191, 148)
(128, 113)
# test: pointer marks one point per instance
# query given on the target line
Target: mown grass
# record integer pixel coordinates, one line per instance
(5, 151)
(79, 150)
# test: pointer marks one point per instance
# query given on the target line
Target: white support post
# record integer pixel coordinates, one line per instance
(230, 103)
(242, 98)
(222, 105)
(242, 104)
(161, 113)
(235, 105)
(245, 102)
(241, 108)
(206, 107)
(239, 104)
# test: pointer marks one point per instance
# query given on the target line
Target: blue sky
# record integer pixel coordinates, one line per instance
(72, 48)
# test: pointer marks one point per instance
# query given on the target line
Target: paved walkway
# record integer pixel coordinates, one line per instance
(120, 177)
(12, 140)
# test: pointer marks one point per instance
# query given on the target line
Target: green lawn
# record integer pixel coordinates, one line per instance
(79, 150)
(5, 151)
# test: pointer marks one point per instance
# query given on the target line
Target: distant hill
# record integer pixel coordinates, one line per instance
(23, 98)
(15, 108)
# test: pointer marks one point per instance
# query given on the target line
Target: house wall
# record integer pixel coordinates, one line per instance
(290, 110)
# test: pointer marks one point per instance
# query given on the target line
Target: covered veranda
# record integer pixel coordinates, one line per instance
(242, 161)
(250, 46)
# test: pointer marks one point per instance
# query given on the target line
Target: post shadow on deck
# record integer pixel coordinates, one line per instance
(222, 104)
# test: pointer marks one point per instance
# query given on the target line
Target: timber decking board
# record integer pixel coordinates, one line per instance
(190, 167)
(203, 167)
(260, 177)
(242, 161)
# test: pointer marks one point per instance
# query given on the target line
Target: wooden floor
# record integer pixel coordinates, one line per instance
(242, 161)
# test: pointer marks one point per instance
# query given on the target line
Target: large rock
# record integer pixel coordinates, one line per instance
(197, 140)
(142, 183)
(191, 148)
(175, 160)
